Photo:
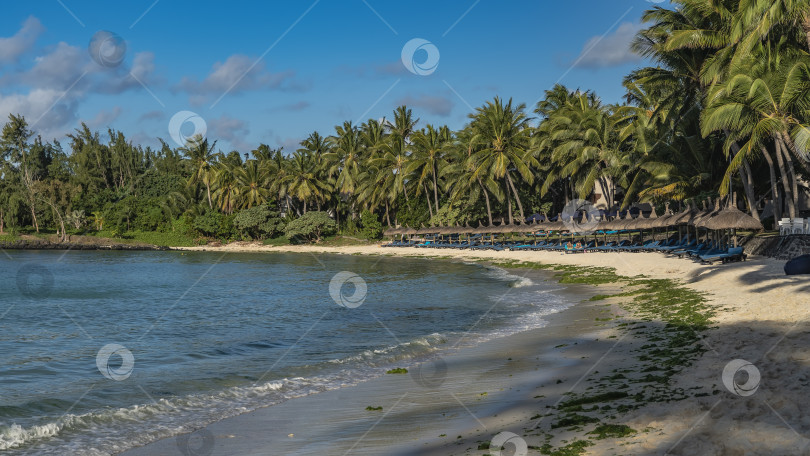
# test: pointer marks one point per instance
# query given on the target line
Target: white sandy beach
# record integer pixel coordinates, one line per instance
(763, 320)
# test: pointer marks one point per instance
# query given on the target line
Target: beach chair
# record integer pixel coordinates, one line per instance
(732, 254)
(690, 245)
(687, 251)
(602, 248)
(784, 227)
(618, 247)
(796, 226)
(684, 243)
(708, 249)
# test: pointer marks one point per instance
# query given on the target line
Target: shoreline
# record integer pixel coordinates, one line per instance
(453, 392)
(747, 325)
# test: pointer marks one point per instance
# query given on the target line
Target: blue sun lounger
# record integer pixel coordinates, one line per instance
(732, 254)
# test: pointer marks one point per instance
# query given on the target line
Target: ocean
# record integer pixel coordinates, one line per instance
(104, 351)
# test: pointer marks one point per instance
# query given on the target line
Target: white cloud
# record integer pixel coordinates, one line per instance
(58, 69)
(440, 106)
(239, 73)
(610, 50)
(14, 46)
(231, 130)
(46, 110)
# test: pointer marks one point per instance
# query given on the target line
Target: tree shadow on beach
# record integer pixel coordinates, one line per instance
(759, 277)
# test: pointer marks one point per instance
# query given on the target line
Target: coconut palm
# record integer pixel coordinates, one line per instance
(203, 158)
(427, 158)
(253, 180)
(764, 110)
(503, 134)
(226, 188)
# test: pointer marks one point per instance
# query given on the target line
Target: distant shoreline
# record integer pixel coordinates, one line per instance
(100, 244)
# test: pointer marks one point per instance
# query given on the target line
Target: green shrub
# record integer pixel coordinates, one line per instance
(372, 228)
(208, 223)
(310, 227)
(260, 222)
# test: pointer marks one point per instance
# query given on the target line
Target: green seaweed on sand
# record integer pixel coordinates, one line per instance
(572, 449)
(604, 431)
(664, 314)
(397, 370)
(374, 409)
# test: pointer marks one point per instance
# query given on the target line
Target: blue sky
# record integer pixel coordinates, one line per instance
(272, 72)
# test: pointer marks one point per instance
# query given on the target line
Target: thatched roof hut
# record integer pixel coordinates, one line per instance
(731, 218)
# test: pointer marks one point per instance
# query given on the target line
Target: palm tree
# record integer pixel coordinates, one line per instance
(470, 181)
(761, 111)
(404, 123)
(203, 158)
(429, 147)
(344, 159)
(303, 181)
(253, 181)
(226, 186)
(503, 133)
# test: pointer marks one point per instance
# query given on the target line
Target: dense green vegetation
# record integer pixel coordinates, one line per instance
(725, 108)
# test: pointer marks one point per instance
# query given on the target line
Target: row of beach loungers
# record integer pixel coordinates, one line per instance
(702, 251)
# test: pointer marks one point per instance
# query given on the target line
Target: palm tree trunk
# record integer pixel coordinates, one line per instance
(785, 179)
(208, 192)
(435, 188)
(748, 188)
(777, 199)
(387, 216)
(508, 201)
(427, 197)
(517, 197)
(794, 190)
(486, 197)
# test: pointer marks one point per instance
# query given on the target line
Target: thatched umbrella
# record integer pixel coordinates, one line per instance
(625, 223)
(392, 231)
(647, 222)
(683, 218)
(731, 218)
(708, 213)
(664, 220)
(428, 230)
(481, 229)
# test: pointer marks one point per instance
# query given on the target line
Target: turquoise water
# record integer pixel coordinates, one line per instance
(201, 336)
